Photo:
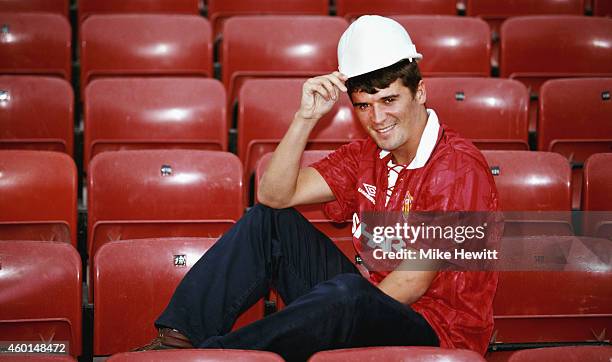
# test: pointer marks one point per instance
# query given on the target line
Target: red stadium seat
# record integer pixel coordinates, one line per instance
(451, 45)
(261, 127)
(162, 193)
(602, 8)
(35, 43)
(535, 49)
(567, 354)
(131, 272)
(160, 45)
(23, 99)
(38, 196)
(352, 9)
(495, 12)
(398, 354)
(569, 303)
(491, 112)
(566, 106)
(534, 191)
(23, 6)
(197, 355)
(314, 213)
(41, 293)
(530, 181)
(575, 117)
(548, 40)
(278, 46)
(597, 195)
(154, 113)
(220, 10)
(91, 7)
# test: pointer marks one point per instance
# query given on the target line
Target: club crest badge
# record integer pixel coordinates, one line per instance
(407, 204)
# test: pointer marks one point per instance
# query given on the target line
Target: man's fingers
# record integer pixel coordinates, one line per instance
(341, 76)
(329, 85)
(318, 88)
(338, 80)
(313, 85)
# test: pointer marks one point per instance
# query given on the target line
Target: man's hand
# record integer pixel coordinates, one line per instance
(319, 94)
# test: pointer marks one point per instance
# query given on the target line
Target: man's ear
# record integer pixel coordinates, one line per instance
(421, 93)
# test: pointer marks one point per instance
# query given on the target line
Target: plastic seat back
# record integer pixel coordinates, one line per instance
(162, 193)
(92, 7)
(23, 99)
(154, 113)
(278, 46)
(149, 45)
(398, 354)
(130, 273)
(531, 181)
(41, 294)
(450, 45)
(220, 10)
(534, 191)
(574, 117)
(35, 44)
(38, 196)
(352, 9)
(495, 12)
(491, 112)
(36, 6)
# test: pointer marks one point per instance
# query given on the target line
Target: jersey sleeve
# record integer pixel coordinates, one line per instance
(339, 169)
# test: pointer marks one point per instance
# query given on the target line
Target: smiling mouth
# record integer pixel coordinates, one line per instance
(385, 130)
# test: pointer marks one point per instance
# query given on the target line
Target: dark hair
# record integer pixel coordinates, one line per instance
(379, 79)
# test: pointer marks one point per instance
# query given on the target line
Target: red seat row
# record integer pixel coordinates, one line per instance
(119, 45)
(529, 307)
(190, 113)
(391, 354)
(219, 9)
(172, 193)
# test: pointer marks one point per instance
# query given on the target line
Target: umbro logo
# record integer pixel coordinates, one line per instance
(369, 192)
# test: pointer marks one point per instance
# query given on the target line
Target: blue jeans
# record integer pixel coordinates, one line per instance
(329, 304)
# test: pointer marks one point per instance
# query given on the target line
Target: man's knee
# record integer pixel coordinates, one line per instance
(348, 286)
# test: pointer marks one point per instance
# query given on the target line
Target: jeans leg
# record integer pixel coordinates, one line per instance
(242, 265)
(346, 311)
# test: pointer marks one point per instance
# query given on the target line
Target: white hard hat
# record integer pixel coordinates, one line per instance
(373, 42)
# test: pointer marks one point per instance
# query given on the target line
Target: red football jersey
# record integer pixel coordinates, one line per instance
(455, 177)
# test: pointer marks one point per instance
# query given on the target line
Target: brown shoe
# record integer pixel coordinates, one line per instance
(166, 339)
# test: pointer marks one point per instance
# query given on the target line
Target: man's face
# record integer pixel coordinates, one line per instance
(391, 116)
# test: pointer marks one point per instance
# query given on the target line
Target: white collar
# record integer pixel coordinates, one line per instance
(426, 144)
